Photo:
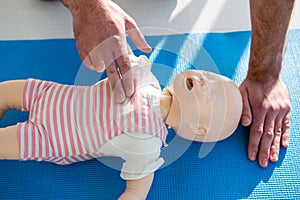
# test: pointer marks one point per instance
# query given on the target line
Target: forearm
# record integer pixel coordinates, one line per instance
(270, 21)
(86, 6)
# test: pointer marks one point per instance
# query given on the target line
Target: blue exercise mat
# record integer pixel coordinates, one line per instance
(193, 170)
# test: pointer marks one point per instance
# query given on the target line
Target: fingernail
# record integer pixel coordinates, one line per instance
(285, 143)
(253, 156)
(264, 162)
(149, 48)
(246, 121)
(275, 156)
(119, 98)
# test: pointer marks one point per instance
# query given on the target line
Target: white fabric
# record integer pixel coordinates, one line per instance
(136, 165)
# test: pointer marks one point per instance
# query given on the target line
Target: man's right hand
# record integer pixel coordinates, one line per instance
(100, 28)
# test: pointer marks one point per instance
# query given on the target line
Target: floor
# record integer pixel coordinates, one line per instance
(36, 41)
(41, 19)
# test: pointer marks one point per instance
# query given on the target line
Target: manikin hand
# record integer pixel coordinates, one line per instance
(100, 28)
(267, 108)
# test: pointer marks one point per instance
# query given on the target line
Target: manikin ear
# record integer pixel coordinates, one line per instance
(200, 131)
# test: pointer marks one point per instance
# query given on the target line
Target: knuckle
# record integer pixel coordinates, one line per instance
(288, 107)
(117, 39)
(253, 147)
(264, 152)
(124, 66)
(111, 70)
(286, 137)
(269, 134)
(273, 109)
(286, 123)
(277, 132)
(258, 132)
(275, 148)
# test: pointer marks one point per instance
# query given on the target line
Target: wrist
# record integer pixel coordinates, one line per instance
(265, 65)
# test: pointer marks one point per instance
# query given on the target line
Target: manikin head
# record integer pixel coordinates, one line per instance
(205, 107)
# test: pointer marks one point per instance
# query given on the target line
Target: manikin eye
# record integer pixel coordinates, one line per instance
(189, 83)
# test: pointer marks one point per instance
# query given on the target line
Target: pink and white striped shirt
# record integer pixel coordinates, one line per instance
(71, 123)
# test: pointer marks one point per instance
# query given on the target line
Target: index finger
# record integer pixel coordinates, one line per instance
(116, 83)
(124, 65)
(256, 133)
(125, 71)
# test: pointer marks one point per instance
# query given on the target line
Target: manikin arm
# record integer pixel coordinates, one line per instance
(137, 189)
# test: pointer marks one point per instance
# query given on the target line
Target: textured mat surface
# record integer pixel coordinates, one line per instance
(224, 173)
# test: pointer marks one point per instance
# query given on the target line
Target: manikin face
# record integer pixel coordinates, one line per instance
(205, 107)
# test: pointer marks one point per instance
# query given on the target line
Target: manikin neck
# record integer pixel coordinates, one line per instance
(165, 103)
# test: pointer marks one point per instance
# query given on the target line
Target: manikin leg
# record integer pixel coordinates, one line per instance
(10, 98)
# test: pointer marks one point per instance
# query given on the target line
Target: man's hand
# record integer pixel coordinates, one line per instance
(267, 108)
(100, 28)
(266, 101)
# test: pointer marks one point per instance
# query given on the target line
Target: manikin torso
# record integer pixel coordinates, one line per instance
(84, 122)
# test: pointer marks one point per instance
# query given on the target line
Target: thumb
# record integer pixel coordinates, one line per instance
(137, 37)
(246, 117)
